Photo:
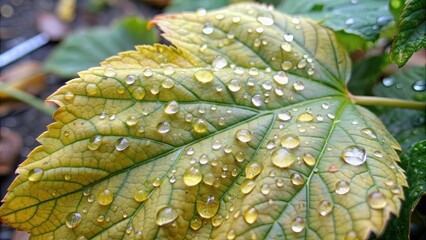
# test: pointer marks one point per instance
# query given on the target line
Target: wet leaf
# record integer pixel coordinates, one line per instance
(410, 85)
(72, 56)
(363, 18)
(413, 162)
(192, 5)
(244, 130)
(411, 34)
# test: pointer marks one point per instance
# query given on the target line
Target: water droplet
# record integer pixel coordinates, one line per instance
(139, 93)
(207, 205)
(257, 100)
(284, 116)
(286, 47)
(281, 78)
(73, 219)
(253, 71)
(130, 79)
(253, 169)
(419, 85)
(244, 135)
(324, 208)
(67, 177)
(91, 89)
(297, 179)
(288, 37)
(389, 81)
(298, 224)
(169, 70)
(138, 235)
(302, 63)
(109, 72)
(192, 176)
(201, 12)
(140, 195)
(204, 76)
(247, 186)
(282, 158)
(69, 96)
(354, 155)
(196, 223)
(35, 174)
(208, 28)
(342, 187)
(349, 21)
(376, 200)
(168, 83)
(100, 218)
(236, 19)
(219, 62)
(265, 19)
(171, 107)
(231, 234)
(290, 141)
(351, 235)
(120, 90)
(91, 198)
(122, 144)
(305, 117)
(156, 182)
(200, 126)
(94, 142)
(298, 86)
(166, 215)
(105, 197)
(240, 156)
(234, 85)
(217, 220)
(163, 127)
(250, 215)
(369, 132)
(309, 159)
(217, 144)
(148, 72)
(265, 189)
(286, 65)
(131, 121)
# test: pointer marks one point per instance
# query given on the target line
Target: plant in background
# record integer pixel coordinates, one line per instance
(245, 129)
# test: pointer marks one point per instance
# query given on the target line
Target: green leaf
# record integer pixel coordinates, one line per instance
(192, 5)
(413, 162)
(363, 18)
(244, 130)
(71, 56)
(402, 85)
(411, 34)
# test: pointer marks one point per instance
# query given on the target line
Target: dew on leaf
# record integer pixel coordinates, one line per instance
(207, 205)
(171, 107)
(351, 235)
(297, 179)
(388, 81)
(94, 142)
(419, 85)
(282, 158)
(140, 195)
(349, 21)
(168, 83)
(305, 117)
(217, 144)
(35, 174)
(208, 28)
(298, 224)
(156, 182)
(91, 89)
(100, 218)
(302, 63)
(342, 187)
(288, 37)
(148, 72)
(265, 189)
(219, 62)
(324, 208)
(130, 79)
(200, 126)
(247, 186)
(279, 182)
(236, 19)
(105, 197)
(286, 47)
(257, 100)
(122, 144)
(369, 132)
(290, 141)
(239, 156)
(163, 127)
(131, 121)
(192, 176)
(69, 96)
(250, 215)
(230, 235)
(234, 85)
(204, 76)
(244, 135)
(309, 159)
(166, 215)
(109, 72)
(265, 19)
(354, 155)
(280, 78)
(91, 198)
(139, 93)
(298, 86)
(73, 219)
(376, 200)
(217, 220)
(253, 169)
(169, 70)
(284, 116)
(196, 223)
(209, 179)
(253, 71)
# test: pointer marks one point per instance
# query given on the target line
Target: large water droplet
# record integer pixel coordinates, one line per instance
(253, 169)
(419, 85)
(354, 155)
(305, 117)
(342, 187)
(35, 174)
(297, 179)
(140, 195)
(166, 215)
(208, 28)
(309, 159)
(298, 224)
(324, 208)
(196, 223)
(94, 142)
(122, 144)
(290, 141)
(219, 62)
(250, 215)
(105, 197)
(282, 158)
(204, 76)
(163, 127)
(73, 219)
(244, 135)
(207, 205)
(192, 176)
(376, 200)
(171, 107)
(200, 126)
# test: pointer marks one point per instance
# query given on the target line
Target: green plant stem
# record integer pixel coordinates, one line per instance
(26, 98)
(389, 102)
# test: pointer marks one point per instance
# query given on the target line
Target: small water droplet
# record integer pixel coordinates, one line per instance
(325, 106)
(354, 155)
(200, 126)
(324, 208)
(192, 176)
(166, 215)
(130, 79)
(234, 85)
(105, 197)
(91, 198)
(253, 169)
(369, 132)
(342, 187)
(419, 85)
(207, 205)
(376, 200)
(247, 186)
(171, 107)
(298, 224)
(168, 83)
(240, 156)
(286, 47)
(140, 195)
(163, 127)
(244, 135)
(250, 215)
(282, 158)
(388, 81)
(217, 144)
(69, 96)
(196, 223)
(94, 142)
(298, 86)
(351, 235)
(67, 177)
(349, 21)
(297, 179)
(286, 65)
(284, 116)
(305, 117)
(217, 220)
(302, 63)
(139, 93)
(91, 89)
(204, 76)
(100, 218)
(148, 72)
(35, 174)
(236, 19)
(290, 141)
(257, 100)
(265, 19)
(265, 189)
(219, 62)
(73, 219)
(122, 144)
(208, 28)
(288, 37)
(309, 159)
(131, 121)
(169, 70)
(231, 234)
